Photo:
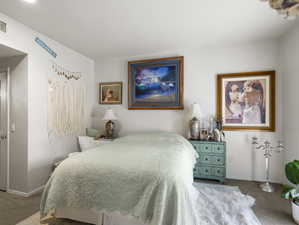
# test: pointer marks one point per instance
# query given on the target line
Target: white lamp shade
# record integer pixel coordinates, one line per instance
(195, 111)
(109, 115)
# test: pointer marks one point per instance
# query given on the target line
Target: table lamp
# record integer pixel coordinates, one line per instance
(194, 123)
(109, 126)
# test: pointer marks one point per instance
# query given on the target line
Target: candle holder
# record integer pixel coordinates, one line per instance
(268, 150)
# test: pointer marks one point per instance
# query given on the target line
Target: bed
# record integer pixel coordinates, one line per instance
(142, 179)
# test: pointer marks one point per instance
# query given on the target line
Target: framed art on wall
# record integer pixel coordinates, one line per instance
(156, 83)
(246, 101)
(110, 93)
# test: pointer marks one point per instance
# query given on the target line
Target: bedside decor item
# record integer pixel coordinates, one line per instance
(286, 8)
(109, 126)
(218, 131)
(246, 101)
(110, 93)
(156, 83)
(194, 123)
(268, 150)
(292, 192)
(211, 163)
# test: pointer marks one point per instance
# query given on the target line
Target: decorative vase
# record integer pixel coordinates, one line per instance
(295, 211)
(194, 125)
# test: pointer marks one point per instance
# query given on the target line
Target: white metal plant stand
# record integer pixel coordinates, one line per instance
(268, 150)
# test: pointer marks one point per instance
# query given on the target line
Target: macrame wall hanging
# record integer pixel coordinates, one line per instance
(66, 102)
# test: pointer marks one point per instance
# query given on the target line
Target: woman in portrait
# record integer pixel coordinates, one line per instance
(235, 106)
(253, 98)
(109, 96)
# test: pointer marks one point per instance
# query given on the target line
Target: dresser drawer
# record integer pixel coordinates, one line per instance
(218, 148)
(218, 171)
(218, 160)
(205, 171)
(206, 148)
(205, 159)
(196, 146)
(196, 172)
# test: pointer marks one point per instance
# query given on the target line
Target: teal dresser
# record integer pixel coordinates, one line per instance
(211, 162)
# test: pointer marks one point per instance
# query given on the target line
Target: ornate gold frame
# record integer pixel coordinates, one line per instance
(272, 94)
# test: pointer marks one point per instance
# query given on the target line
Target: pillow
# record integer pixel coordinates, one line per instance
(87, 143)
(90, 132)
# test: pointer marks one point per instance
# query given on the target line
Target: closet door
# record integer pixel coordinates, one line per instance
(3, 131)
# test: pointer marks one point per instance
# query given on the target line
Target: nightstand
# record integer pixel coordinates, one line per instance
(211, 163)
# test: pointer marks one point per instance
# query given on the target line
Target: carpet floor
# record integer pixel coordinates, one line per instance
(270, 208)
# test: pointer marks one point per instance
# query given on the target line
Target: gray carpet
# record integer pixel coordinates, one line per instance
(270, 208)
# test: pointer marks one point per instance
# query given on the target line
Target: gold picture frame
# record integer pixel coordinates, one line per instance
(110, 93)
(246, 101)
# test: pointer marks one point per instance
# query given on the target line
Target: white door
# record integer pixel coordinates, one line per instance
(3, 130)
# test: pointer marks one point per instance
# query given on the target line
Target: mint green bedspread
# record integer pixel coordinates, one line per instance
(148, 176)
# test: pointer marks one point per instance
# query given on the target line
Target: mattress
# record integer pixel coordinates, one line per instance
(146, 176)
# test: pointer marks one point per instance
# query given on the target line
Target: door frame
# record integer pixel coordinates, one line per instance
(7, 71)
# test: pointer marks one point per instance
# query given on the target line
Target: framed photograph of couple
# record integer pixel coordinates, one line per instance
(246, 101)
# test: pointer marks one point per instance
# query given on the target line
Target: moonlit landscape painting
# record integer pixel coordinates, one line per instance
(156, 84)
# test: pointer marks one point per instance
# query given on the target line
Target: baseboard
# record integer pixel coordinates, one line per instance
(24, 194)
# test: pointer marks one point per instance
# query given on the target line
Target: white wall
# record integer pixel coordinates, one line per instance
(41, 152)
(289, 48)
(18, 165)
(201, 67)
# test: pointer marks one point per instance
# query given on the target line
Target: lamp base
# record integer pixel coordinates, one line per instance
(109, 129)
(267, 187)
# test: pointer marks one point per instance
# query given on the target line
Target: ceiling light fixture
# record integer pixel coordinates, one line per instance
(287, 8)
(30, 1)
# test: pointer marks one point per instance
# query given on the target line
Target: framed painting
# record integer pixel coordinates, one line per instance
(110, 93)
(156, 83)
(246, 101)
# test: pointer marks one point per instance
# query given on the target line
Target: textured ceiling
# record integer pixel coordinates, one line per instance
(100, 28)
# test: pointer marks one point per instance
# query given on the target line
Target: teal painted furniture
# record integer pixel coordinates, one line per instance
(211, 163)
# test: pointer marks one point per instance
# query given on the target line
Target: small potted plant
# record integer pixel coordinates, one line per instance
(292, 192)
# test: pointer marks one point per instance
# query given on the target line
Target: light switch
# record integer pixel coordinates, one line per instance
(13, 127)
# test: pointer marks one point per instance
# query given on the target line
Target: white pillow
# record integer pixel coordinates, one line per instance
(87, 143)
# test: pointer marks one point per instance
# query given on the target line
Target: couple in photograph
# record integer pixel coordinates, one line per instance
(246, 103)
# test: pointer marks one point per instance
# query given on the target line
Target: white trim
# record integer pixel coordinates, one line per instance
(24, 194)
(7, 71)
(8, 131)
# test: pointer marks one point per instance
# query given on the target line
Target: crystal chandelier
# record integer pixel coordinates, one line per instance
(287, 8)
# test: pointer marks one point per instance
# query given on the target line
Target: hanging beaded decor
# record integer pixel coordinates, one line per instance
(60, 71)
